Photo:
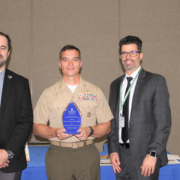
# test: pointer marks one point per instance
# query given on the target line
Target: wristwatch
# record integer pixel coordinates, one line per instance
(91, 131)
(153, 153)
(10, 154)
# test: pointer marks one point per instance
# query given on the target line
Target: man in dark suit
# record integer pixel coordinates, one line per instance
(139, 101)
(16, 116)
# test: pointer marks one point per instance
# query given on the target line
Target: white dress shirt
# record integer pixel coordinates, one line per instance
(124, 85)
(1, 84)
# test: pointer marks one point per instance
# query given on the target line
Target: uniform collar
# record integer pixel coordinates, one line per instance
(61, 86)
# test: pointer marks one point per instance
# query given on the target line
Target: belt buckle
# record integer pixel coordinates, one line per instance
(75, 145)
(78, 144)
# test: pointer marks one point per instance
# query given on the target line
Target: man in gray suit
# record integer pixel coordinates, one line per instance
(139, 101)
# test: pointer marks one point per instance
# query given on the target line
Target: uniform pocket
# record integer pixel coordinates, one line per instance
(89, 105)
(88, 110)
(57, 108)
(57, 105)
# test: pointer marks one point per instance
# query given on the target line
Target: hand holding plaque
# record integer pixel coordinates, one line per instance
(72, 118)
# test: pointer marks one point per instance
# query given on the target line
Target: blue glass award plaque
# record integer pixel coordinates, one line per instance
(72, 118)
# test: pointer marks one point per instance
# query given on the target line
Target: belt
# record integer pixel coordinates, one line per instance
(72, 144)
(125, 145)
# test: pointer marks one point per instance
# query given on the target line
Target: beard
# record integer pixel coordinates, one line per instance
(3, 61)
(132, 66)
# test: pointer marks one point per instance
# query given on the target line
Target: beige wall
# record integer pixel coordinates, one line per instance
(16, 21)
(39, 29)
(156, 23)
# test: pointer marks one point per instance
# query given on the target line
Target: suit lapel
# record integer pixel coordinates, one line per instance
(7, 86)
(117, 93)
(138, 88)
(117, 96)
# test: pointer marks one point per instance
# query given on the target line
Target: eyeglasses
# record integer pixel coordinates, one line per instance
(131, 53)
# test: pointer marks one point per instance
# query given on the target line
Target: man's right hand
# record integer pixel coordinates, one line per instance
(60, 134)
(3, 158)
(47, 132)
(114, 157)
(4, 165)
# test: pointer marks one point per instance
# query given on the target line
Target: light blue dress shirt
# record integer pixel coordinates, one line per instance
(1, 83)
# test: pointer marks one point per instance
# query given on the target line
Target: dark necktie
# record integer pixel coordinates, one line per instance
(124, 134)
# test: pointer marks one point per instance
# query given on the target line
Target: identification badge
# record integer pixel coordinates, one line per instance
(121, 121)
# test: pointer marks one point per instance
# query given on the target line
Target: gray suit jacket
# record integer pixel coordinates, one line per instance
(150, 120)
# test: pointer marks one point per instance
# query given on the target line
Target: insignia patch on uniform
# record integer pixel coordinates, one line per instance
(88, 114)
(87, 96)
(80, 96)
(95, 97)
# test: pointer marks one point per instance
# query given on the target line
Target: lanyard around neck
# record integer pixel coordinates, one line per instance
(122, 103)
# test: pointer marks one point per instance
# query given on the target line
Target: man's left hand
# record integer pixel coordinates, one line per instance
(84, 133)
(148, 165)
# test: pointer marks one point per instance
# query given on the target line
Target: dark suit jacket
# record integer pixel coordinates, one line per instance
(16, 119)
(150, 119)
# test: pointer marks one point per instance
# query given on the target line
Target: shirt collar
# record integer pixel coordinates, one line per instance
(63, 87)
(2, 74)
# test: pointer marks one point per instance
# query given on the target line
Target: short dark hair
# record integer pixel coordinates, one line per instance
(8, 39)
(130, 40)
(69, 47)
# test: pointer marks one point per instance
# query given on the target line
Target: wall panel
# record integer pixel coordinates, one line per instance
(16, 22)
(156, 23)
